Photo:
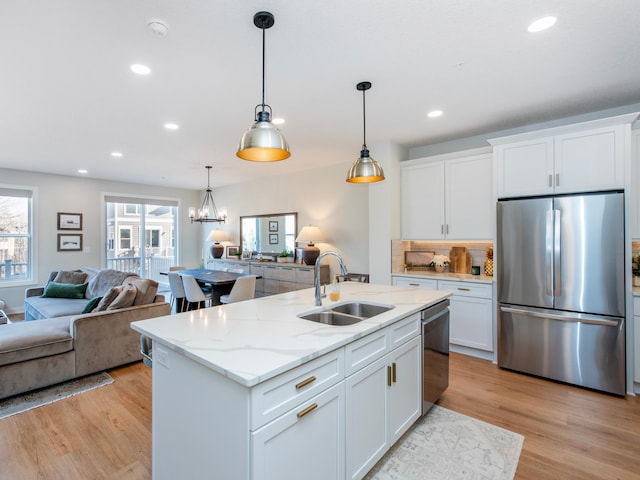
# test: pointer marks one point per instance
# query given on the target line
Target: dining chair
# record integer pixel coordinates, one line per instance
(354, 277)
(244, 288)
(237, 270)
(177, 291)
(177, 267)
(194, 293)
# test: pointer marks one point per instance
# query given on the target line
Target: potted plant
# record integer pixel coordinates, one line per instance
(439, 262)
(237, 254)
(284, 256)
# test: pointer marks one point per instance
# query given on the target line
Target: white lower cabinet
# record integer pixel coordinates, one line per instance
(306, 442)
(470, 311)
(383, 400)
(636, 338)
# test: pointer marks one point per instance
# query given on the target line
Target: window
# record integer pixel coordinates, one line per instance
(16, 234)
(125, 238)
(144, 230)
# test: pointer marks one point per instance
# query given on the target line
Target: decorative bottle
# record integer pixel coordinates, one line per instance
(488, 263)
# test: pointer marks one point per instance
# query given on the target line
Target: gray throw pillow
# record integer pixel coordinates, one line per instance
(125, 298)
(73, 277)
(108, 298)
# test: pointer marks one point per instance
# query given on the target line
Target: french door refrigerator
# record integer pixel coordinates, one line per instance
(560, 274)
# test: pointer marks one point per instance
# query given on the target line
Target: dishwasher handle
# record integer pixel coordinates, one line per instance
(434, 312)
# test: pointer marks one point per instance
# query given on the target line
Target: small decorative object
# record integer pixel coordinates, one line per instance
(440, 262)
(284, 256)
(635, 268)
(69, 243)
(232, 251)
(217, 236)
(69, 221)
(246, 256)
(488, 263)
(310, 234)
(475, 270)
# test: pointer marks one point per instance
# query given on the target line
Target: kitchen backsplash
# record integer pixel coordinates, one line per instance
(478, 251)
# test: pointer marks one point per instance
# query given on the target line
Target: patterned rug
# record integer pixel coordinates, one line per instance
(446, 445)
(44, 396)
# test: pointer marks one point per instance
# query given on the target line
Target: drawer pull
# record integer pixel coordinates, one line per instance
(309, 409)
(388, 376)
(393, 372)
(306, 382)
(464, 289)
(414, 284)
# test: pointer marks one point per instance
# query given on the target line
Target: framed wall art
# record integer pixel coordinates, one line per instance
(69, 242)
(69, 221)
(273, 225)
(232, 251)
(273, 238)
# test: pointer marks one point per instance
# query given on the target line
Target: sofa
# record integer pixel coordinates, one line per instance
(45, 351)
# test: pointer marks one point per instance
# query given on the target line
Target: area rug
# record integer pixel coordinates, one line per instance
(45, 396)
(446, 445)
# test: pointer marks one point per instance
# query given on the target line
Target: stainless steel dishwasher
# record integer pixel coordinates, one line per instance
(435, 353)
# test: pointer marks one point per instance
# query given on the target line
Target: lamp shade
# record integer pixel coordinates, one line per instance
(310, 234)
(217, 236)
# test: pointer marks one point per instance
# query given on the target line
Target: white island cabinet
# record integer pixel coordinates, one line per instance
(250, 391)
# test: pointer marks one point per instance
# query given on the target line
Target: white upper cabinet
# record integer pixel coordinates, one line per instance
(447, 196)
(578, 158)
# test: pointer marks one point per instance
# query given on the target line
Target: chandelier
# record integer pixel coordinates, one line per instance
(208, 211)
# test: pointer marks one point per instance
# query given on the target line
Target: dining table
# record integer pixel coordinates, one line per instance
(221, 282)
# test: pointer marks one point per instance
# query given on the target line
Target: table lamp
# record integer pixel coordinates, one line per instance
(310, 234)
(217, 236)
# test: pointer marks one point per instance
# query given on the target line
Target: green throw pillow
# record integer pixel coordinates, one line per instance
(64, 290)
(93, 303)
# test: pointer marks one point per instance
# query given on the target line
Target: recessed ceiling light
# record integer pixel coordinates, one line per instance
(140, 69)
(82, 170)
(277, 121)
(171, 126)
(434, 113)
(542, 24)
(116, 154)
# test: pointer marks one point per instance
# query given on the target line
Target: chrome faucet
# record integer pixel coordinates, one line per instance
(343, 270)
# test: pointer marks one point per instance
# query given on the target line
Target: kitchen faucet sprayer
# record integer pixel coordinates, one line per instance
(343, 271)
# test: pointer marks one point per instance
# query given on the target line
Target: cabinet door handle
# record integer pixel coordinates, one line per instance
(414, 284)
(441, 228)
(550, 180)
(309, 409)
(464, 289)
(557, 179)
(388, 375)
(447, 228)
(393, 372)
(305, 382)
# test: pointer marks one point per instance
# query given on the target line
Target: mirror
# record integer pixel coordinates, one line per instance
(269, 234)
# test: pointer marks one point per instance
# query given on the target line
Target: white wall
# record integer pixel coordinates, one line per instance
(321, 197)
(58, 193)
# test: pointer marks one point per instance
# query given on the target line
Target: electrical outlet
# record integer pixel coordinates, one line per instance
(161, 356)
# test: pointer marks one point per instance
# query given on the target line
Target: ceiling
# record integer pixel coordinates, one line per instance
(68, 98)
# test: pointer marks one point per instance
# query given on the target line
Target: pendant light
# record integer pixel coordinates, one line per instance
(208, 211)
(263, 142)
(365, 169)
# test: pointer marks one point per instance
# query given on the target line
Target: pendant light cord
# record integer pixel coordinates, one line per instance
(364, 123)
(263, 63)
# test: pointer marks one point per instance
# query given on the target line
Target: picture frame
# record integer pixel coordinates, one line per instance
(273, 225)
(69, 242)
(246, 255)
(273, 238)
(69, 221)
(232, 251)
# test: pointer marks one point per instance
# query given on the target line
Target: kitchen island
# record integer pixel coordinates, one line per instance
(252, 391)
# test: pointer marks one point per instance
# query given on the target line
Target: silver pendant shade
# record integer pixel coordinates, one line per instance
(365, 169)
(263, 142)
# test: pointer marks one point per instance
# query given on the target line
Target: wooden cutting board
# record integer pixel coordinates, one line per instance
(460, 260)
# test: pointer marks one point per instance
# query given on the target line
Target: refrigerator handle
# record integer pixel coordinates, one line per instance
(549, 251)
(581, 318)
(556, 253)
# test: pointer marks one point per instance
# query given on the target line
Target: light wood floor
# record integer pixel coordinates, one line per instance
(570, 433)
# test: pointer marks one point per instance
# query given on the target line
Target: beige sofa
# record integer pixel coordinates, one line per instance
(39, 353)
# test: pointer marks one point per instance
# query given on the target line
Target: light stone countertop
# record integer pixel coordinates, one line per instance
(252, 341)
(445, 276)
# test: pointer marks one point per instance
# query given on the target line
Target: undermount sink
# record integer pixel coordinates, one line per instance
(346, 313)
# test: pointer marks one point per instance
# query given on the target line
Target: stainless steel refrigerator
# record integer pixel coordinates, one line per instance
(560, 276)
